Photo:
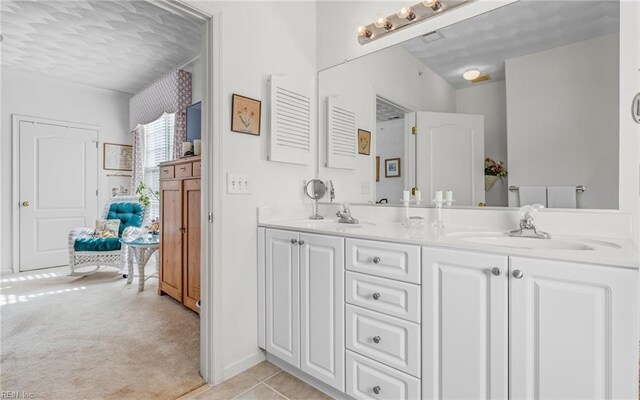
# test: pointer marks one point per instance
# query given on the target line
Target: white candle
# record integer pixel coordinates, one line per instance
(449, 195)
(197, 147)
(418, 196)
(406, 195)
(439, 195)
(186, 146)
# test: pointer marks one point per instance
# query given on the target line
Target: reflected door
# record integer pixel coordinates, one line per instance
(449, 153)
(58, 189)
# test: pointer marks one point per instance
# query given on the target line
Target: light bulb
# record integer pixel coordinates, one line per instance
(434, 5)
(471, 74)
(382, 22)
(405, 12)
(363, 31)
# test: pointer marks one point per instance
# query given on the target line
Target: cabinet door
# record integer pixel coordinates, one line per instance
(464, 325)
(191, 257)
(171, 238)
(322, 308)
(283, 295)
(573, 331)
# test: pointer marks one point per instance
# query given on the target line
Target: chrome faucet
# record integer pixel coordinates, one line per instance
(344, 215)
(332, 192)
(527, 224)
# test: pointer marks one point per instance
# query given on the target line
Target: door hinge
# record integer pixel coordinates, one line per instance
(96, 192)
(210, 218)
(97, 143)
(414, 130)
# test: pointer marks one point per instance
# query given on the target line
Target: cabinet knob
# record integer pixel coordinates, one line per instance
(376, 296)
(301, 242)
(518, 274)
(165, 170)
(294, 241)
(376, 339)
(376, 389)
(376, 260)
(496, 271)
(183, 168)
(25, 204)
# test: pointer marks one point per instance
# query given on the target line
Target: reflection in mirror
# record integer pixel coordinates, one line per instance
(515, 106)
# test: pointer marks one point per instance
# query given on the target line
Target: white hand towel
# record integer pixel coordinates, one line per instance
(562, 196)
(533, 195)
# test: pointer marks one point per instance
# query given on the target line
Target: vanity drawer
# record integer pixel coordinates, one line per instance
(389, 340)
(398, 299)
(184, 170)
(197, 166)
(167, 172)
(388, 260)
(365, 375)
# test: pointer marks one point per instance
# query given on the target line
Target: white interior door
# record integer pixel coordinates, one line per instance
(58, 183)
(450, 156)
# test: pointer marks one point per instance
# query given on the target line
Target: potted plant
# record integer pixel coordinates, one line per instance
(492, 171)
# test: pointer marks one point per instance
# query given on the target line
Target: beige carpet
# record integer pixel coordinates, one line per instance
(95, 338)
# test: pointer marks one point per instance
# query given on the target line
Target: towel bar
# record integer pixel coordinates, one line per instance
(579, 188)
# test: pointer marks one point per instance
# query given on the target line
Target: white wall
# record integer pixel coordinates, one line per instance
(563, 118)
(357, 83)
(258, 39)
(389, 144)
(44, 97)
(489, 100)
(196, 69)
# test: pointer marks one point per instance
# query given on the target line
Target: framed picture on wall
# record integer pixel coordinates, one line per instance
(117, 157)
(364, 142)
(377, 168)
(245, 115)
(392, 168)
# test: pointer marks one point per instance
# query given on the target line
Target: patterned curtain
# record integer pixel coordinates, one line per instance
(138, 157)
(184, 101)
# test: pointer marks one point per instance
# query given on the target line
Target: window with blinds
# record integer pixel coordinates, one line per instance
(158, 136)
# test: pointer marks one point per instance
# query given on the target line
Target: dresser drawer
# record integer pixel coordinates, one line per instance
(389, 340)
(398, 299)
(388, 260)
(167, 172)
(184, 170)
(197, 166)
(365, 377)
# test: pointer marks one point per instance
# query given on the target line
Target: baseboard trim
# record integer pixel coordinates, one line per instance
(234, 369)
(321, 386)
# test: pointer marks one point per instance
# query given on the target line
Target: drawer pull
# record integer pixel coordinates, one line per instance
(376, 260)
(183, 168)
(376, 339)
(165, 170)
(376, 389)
(376, 296)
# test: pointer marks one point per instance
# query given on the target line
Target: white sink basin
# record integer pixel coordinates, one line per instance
(560, 243)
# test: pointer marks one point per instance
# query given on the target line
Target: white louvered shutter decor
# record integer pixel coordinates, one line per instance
(290, 136)
(342, 143)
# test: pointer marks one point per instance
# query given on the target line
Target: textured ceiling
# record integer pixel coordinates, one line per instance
(527, 26)
(120, 45)
(386, 110)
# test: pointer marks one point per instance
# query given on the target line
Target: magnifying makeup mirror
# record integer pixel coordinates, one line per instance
(315, 189)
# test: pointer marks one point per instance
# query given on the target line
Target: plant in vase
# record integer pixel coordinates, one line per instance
(492, 171)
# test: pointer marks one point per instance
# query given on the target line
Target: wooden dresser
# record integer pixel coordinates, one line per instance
(180, 230)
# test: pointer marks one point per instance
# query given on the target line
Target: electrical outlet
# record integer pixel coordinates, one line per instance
(238, 184)
(365, 187)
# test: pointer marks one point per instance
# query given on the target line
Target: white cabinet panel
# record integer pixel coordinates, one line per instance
(283, 296)
(388, 340)
(262, 301)
(573, 331)
(322, 308)
(365, 377)
(388, 260)
(398, 299)
(464, 331)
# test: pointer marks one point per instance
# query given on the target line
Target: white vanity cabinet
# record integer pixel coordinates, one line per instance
(304, 302)
(573, 330)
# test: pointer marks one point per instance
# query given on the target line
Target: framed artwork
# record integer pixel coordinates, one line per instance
(392, 168)
(245, 115)
(364, 142)
(117, 157)
(377, 168)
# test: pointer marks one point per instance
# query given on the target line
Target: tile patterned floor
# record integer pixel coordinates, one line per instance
(264, 381)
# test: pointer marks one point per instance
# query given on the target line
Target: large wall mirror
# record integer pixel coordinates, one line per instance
(532, 86)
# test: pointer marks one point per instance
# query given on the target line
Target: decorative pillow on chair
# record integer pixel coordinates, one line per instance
(107, 228)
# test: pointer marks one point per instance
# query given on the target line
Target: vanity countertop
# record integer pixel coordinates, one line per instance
(607, 251)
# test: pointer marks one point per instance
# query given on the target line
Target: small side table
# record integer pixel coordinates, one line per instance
(142, 250)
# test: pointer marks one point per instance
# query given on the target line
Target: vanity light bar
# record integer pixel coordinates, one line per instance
(406, 16)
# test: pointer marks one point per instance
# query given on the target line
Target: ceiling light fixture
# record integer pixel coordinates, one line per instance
(471, 74)
(406, 16)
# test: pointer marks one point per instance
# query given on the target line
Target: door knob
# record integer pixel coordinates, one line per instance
(25, 204)
(376, 339)
(376, 389)
(518, 274)
(496, 271)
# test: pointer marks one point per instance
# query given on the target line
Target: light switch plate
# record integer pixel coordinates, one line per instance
(238, 184)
